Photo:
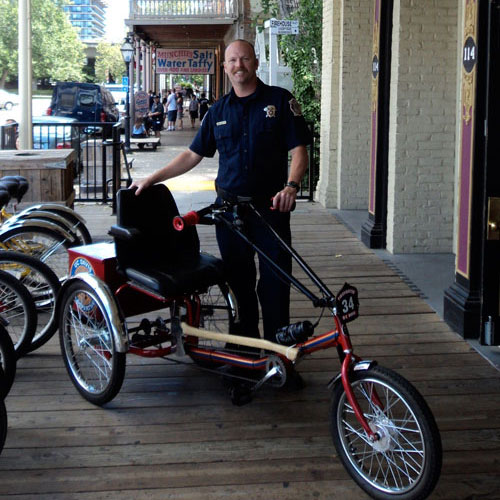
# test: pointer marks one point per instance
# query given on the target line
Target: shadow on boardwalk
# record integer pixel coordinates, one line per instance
(172, 432)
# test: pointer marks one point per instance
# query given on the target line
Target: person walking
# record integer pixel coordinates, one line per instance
(193, 109)
(253, 128)
(180, 110)
(203, 105)
(172, 110)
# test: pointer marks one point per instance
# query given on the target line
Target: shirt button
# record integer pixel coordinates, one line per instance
(245, 150)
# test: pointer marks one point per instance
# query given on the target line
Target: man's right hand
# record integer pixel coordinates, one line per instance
(140, 184)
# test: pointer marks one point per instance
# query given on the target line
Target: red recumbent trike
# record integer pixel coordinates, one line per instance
(383, 430)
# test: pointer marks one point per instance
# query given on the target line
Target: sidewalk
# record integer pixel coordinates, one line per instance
(172, 431)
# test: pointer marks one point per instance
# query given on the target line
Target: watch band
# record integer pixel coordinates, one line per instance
(292, 184)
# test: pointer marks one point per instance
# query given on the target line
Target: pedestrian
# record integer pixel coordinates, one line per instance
(156, 116)
(180, 110)
(193, 110)
(253, 128)
(138, 130)
(164, 104)
(172, 110)
(203, 105)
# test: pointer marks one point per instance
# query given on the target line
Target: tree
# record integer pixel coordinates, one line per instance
(57, 53)
(109, 64)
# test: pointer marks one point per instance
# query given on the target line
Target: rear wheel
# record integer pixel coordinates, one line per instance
(405, 462)
(7, 362)
(217, 314)
(18, 309)
(88, 347)
(43, 285)
(3, 422)
(48, 246)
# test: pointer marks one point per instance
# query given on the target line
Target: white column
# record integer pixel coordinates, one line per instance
(25, 75)
(137, 59)
(143, 70)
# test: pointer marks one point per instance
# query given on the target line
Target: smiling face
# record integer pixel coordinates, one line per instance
(240, 66)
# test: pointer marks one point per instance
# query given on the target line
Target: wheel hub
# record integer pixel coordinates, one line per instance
(384, 428)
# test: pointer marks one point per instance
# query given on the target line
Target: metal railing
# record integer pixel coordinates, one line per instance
(168, 9)
(97, 145)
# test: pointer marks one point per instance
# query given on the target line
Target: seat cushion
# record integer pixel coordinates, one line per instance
(187, 278)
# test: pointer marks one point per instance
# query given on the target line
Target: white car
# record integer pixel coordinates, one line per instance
(7, 100)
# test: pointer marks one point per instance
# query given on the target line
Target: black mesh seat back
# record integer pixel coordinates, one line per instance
(158, 245)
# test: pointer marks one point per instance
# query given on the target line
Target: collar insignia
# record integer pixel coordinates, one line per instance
(270, 111)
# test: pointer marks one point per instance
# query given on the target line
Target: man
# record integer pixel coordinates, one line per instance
(156, 115)
(253, 128)
(171, 110)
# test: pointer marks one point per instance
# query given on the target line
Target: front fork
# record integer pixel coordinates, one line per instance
(347, 358)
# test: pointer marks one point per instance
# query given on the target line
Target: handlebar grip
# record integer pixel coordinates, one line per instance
(189, 219)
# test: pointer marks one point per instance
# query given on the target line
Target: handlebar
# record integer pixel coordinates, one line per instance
(203, 216)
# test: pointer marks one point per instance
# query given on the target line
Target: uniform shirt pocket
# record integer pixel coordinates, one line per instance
(224, 139)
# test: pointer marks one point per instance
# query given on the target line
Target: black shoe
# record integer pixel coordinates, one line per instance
(294, 382)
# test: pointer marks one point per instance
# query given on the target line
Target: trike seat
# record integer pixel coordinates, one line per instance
(151, 253)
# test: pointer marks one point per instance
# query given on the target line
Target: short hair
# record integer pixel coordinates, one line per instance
(242, 41)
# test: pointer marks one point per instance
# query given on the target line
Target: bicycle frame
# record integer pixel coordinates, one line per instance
(338, 337)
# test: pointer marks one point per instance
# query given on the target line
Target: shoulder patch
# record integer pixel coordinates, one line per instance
(295, 107)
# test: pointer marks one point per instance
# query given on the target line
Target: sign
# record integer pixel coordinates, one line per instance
(185, 61)
(141, 103)
(284, 27)
(125, 83)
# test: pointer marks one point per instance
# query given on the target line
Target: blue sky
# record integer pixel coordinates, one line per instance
(115, 28)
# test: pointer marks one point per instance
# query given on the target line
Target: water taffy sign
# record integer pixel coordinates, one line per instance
(185, 61)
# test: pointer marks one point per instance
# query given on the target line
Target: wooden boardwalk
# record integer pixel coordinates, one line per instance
(172, 432)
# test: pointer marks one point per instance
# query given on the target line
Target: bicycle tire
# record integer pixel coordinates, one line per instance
(43, 285)
(45, 244)
(3, 424)
(217, 314)
(7, 362)
(77, 226)
(405, 462)
(18, 309)
(94, 366)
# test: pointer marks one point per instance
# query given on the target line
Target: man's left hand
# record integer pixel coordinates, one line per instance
(284, 200)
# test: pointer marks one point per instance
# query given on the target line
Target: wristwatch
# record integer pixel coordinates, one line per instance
(292, 184)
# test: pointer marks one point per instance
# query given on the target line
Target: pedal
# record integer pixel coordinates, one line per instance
(240, 394)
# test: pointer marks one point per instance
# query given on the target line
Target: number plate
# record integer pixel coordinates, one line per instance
(348, 303)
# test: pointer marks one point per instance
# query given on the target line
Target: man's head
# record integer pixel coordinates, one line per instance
(240, 64)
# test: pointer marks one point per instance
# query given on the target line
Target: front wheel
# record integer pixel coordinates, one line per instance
(405, 462)
(88, 348)
(8, 360)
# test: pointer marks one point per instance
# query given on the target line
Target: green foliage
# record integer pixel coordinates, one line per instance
(109, 64)
(302, 54)
(57, 52)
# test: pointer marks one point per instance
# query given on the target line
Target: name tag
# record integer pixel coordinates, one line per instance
(221, 123)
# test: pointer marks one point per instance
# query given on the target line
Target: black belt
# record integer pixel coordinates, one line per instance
(235, 198)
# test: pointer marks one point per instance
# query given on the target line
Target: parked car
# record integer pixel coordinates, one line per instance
(56, 132)
(86, 102)
(8, 100)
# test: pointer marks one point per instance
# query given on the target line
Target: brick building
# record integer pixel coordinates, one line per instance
(406, 118)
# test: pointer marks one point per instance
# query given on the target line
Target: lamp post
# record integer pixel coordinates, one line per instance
(127, 51)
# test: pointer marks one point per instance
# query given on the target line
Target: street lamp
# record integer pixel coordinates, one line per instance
(127, 51)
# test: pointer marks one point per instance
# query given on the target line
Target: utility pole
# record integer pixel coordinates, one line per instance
(25, 75)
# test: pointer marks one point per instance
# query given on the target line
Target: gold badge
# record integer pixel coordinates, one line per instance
(270, 111)
(295, 107)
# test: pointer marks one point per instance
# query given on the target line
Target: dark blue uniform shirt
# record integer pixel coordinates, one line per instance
(253, 135)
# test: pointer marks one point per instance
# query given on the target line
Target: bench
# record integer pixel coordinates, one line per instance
(141, 142)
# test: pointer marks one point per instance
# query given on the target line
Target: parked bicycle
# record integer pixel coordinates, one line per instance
(44, 230)
(383, 430)
(7, 374)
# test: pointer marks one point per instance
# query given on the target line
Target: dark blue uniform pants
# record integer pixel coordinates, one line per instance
(239, 262)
